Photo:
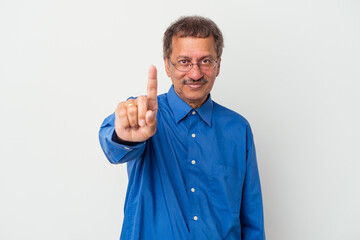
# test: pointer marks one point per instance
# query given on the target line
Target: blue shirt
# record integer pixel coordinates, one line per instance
(196, 178)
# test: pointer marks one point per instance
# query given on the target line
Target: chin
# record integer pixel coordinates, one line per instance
(195, 98)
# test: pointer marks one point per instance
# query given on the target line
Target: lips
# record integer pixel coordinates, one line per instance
(194, 86)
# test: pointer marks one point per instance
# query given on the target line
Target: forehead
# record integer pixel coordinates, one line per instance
(193, 47)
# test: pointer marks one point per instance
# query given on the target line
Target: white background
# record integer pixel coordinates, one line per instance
(290, 67)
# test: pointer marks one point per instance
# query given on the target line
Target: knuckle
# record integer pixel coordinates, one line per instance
(132, 110)
(121, 112)
(119, 106)
(141, 98)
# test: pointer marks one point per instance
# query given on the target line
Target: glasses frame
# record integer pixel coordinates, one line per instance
(192, 65)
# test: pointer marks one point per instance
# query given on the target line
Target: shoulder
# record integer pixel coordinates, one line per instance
(232, 125)
(164, 110)
(162, 102)
(162, 99)
(226, 115)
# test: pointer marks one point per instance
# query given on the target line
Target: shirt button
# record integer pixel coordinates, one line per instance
(193, 135)
(193, 162)
(126, 148)
(195, 218)
(193, 189)
(193, 112)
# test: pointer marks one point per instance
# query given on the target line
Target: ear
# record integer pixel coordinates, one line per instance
(167, 66)
(218, 67)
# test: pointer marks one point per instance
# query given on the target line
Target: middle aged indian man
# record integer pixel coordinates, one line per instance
(191, 162)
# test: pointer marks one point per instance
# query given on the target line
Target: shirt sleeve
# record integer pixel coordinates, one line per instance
(251, 214)
(114, 151)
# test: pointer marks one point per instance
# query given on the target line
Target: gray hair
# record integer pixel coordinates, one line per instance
(192, 26)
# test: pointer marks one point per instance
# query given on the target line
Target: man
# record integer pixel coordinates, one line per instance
(191, 162)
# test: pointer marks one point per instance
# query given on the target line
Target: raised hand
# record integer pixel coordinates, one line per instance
(135, 119)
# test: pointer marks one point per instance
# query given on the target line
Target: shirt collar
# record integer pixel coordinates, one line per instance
(180, 108)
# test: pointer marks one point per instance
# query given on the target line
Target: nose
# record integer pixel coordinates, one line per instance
(195, 73)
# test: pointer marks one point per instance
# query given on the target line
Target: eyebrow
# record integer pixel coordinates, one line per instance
(186, 57)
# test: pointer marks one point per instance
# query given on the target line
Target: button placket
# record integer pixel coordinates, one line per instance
(193, 135)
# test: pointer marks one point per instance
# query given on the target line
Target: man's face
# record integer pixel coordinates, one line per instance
(195, 85)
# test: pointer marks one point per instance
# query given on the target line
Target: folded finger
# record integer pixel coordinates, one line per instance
(132, 114)
(142, 108)
(121, 116)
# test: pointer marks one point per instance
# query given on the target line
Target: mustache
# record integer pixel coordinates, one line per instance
(192, 81)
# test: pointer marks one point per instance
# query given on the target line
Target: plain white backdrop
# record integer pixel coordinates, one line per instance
(292, 68)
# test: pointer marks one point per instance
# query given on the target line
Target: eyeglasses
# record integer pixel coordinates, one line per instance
(185, 65)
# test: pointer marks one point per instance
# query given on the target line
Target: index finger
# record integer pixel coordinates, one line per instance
(152, 88)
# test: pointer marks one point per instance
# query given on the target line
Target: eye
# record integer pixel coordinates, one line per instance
(206, 61)
(183, 62)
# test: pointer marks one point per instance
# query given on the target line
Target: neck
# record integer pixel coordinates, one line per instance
(197, 104)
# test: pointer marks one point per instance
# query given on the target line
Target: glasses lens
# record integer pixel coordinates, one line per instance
(183, 68)
(207, 64)
(187, 66)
